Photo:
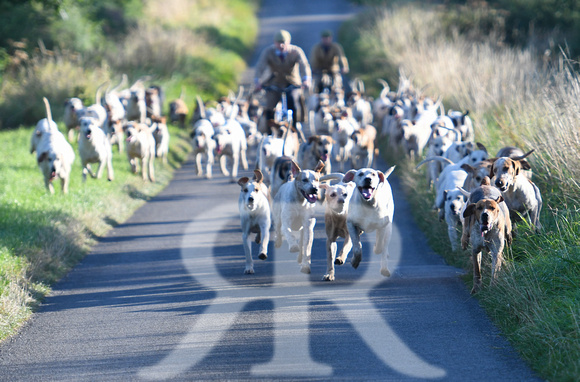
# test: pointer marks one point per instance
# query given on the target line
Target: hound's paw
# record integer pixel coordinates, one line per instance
(249, 271)
(476, 287)
(385, 272)
(294, 248)
(328, 277)
(278, 243)
(356, 261)
(305, 269)
(262, 256)
(338, 261)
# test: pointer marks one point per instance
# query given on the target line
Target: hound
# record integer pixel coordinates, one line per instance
(203, 146)
(161, 136)
(72, 108)
(371, 209)
(317, 149)
(491, 225)
(363, 151)
(94, 147)
(141, 148)
(280, 174)
(54, 154)
(519, 192)
(337, 200)
(254, 209)
(293, 212)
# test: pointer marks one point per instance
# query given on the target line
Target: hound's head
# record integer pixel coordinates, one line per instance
(454, 202)
(307, 181)
(88, 125)
(337, 196)
(487, 213)
(51, 163)
(321, 146)
(252, 191)
(367, 180)
(476, 174)
(505, 170)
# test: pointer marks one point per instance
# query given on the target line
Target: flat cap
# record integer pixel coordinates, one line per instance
(282, 36)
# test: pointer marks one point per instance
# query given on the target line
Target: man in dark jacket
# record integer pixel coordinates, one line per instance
(328, 57)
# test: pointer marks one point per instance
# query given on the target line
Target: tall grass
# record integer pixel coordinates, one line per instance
(515, 98)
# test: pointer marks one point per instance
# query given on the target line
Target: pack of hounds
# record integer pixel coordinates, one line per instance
(475, 193)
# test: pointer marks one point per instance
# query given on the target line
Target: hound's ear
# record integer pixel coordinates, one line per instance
(319, 166)
(525, 165)
(467, 168)
(499, 199)
(243, 180)
(517, 167)
(382, 177)
(258, 176)
(313, 138)
(492, 170)
(486, 181)
(349, 176)
(469, 210)
(324, 186)
(481, 146)
(295, 169)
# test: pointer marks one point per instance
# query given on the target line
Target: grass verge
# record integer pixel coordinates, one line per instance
(514, 98)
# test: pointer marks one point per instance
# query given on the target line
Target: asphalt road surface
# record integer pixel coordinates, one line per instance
(164, 297)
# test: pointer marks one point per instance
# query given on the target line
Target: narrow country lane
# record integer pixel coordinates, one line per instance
(164, 295)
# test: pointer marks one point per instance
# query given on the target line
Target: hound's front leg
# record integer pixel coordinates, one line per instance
(383, 239)
(223, 167)
(344, 251)
(496, 251)
(330, 258)
(355, 233)
(198, 164)
(265, 238)
(248, 252)
(208, 170)
(307, 239)
(476, 259)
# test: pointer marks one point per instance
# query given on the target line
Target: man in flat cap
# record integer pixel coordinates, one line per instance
(328, 57)
(284, 64)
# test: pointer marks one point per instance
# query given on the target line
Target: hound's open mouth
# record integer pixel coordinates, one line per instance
(88, 135)
(52, 176)
(366, 192)
(484, 229)
(311, 198)
(324, 157)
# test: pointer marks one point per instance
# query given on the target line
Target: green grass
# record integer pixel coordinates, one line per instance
(181, 44)
(42, 236)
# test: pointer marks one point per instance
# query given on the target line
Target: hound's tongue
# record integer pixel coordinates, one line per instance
(311, 198)
(366, 192)
(324, 157)
(484, 229)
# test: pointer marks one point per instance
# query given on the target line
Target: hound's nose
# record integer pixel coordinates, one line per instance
(499, 183)
(251, 199)
(484, 217)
